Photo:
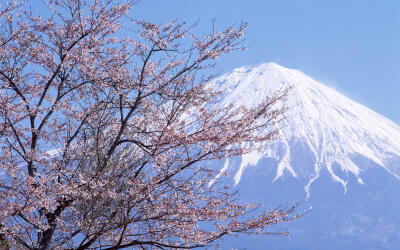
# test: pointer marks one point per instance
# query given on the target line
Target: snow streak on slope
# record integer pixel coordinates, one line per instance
(333, 127)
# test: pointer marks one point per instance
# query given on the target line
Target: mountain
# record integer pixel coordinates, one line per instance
(340, 156)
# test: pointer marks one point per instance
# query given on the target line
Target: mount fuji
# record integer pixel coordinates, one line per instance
(340, 156)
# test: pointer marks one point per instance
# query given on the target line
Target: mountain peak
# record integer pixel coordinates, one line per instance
(268, 66)
(332, 127)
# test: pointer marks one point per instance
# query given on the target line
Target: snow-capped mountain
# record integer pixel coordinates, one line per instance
(341, 155)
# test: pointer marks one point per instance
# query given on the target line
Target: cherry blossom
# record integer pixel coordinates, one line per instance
(107, 125)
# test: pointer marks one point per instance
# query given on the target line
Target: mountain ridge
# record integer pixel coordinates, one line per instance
(341, 156)
(333, 127)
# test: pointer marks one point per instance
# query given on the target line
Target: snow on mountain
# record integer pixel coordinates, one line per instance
(331, 126)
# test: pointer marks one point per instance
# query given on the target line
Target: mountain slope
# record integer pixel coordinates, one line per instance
(340, 155)
(333, 127)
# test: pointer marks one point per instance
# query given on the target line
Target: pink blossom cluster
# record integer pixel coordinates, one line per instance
(104, 135)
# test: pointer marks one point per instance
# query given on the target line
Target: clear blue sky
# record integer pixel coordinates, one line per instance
(351, 45)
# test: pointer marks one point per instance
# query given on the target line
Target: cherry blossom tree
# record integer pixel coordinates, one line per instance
(107, 129)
